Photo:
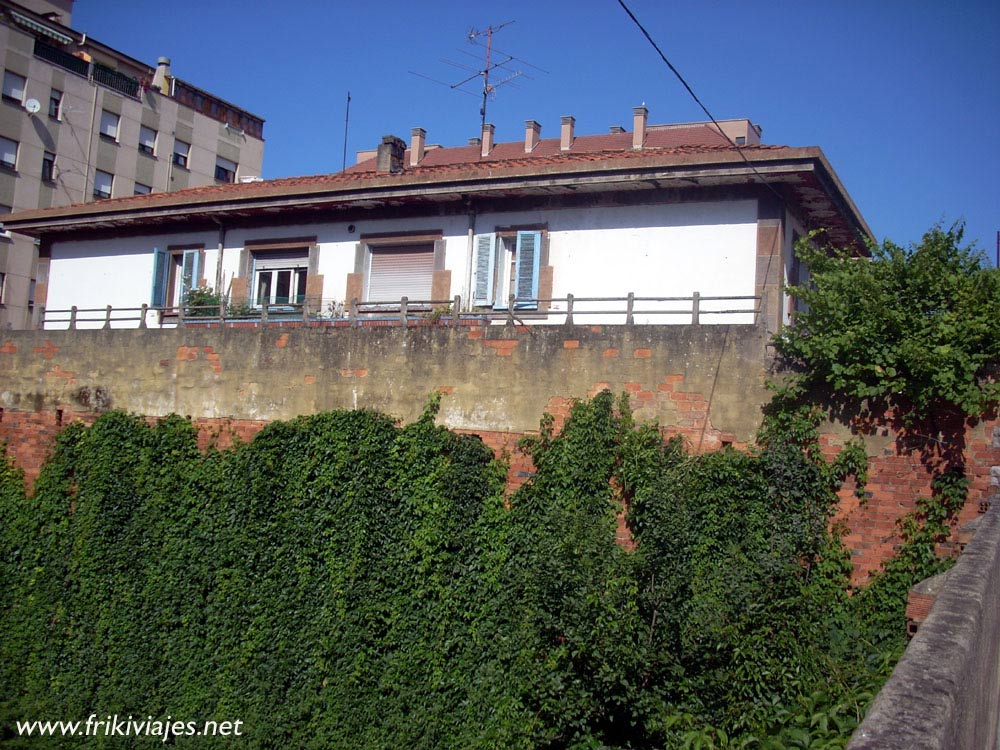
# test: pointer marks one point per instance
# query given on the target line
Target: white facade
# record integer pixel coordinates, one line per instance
(650, 250)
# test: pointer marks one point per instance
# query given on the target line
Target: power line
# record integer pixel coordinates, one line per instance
(768, 185)
(700, 103)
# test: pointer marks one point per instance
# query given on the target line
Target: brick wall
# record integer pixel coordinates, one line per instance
(704, 383)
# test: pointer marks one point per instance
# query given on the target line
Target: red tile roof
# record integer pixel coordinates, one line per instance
(507, 167)
(440, 162)
(657, 137)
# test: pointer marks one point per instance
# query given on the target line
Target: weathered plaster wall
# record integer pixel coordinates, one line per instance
(705, 383)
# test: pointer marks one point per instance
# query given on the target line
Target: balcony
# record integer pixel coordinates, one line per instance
(61, 58)
(98, 73)
(114, 80)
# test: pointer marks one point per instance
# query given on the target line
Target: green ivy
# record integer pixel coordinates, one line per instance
(342, 581)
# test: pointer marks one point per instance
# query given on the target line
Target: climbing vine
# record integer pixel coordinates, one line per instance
(343, 581)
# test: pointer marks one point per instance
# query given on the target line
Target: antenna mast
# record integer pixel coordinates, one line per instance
(347, 120)
(485, 72)
(489, 64)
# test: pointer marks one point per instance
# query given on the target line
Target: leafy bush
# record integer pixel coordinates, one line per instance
(343, 582)
(202, 302)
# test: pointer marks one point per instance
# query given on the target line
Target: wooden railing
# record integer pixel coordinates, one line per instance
(569, 310)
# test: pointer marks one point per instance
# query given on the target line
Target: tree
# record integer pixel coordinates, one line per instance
(905, 337)
(916, 331)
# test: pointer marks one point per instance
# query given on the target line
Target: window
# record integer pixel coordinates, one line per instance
(103, 182)
(3, 288)
(225, 170)
(141, 189)
(176, 272)
(181, 151)
(13, 87)
(8, 153)
(55, 104)
(147, 140)
(31, 295)
(109, 125)
(280, 277)
(397, 271)
(48, 167)
(507, 263)
(741, 140)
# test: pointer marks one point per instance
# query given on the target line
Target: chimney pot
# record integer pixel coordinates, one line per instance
(389, 157)
(162, 76)
(639, 115)
(566, 133)
(418, 138)
(532, 134)
(487, 145)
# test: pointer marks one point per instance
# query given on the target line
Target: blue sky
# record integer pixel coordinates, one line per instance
(902, 96)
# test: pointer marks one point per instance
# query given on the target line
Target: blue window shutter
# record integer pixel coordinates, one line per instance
(161, 258)
(482, 287)
(189, 272)
(529, 254)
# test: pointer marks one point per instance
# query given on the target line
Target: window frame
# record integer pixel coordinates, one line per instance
(167, 264)
(55, 112)
(512, 264)
(7, 97)
(48, 166)
(222, 172)
(181, 159)
(99, 195)
(11, 166)
(110, 134)
(147, 148)
(274, 263)
(397, 246)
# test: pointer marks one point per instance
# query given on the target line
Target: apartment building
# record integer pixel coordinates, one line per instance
(82, 122)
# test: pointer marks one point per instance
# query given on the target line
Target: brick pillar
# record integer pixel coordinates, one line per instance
(770, 261)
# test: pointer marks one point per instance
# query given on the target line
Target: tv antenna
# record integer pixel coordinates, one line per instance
(484, 38)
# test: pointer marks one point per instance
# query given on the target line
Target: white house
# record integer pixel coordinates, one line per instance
(659, 212)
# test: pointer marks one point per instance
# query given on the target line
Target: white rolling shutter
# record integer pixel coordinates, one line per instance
(401, 271)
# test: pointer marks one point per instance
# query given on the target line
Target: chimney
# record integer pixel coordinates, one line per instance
(418, 137)
(487, 144)
(532, 133)
(639, 126)
(616, 129)
(161, 78)
(566, 134)
(389, 157)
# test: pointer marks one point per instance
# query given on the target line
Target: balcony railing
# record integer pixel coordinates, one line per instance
(114, 80)
(97, 72)
(61, 58)
(629, 310)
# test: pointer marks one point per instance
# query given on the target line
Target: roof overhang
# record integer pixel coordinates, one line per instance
(802, 177)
